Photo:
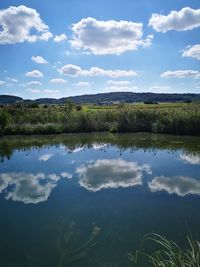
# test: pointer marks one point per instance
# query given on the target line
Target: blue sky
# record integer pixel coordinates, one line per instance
(72, 47)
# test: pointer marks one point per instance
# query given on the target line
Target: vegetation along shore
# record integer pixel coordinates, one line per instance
(169, 118)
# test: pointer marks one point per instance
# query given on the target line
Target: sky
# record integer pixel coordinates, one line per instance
(57, 48)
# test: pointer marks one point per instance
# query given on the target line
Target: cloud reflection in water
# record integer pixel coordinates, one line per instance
(180, 185)
(191, 159)
(27, 187)
(111, 173)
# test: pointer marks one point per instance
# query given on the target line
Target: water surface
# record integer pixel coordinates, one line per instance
(88, 199)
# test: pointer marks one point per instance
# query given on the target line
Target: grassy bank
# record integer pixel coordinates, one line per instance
(181, 118)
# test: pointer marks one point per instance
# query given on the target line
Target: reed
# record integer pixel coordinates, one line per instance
(158, 251)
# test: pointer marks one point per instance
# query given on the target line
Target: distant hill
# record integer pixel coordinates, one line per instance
(128, 97)
(9, 99)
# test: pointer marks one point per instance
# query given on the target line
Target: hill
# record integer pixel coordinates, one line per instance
(9, 99)
(106, 98)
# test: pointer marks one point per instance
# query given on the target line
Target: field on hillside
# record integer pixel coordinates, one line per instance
(170, 118)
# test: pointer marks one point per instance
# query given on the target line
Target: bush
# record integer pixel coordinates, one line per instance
(4, 119)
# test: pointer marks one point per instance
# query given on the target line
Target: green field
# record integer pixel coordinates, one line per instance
(170, 118)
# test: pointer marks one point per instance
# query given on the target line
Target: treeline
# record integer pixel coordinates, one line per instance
(181, 120)
(127, 97)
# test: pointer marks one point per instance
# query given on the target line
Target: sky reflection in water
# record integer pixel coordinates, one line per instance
(61, 188)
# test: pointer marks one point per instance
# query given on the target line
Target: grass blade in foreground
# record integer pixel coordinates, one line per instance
(159, 251)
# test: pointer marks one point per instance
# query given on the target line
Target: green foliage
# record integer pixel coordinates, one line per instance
(78, 107)
(4, 119)
(33, 105)
(179, 118)
(69, 106)
(162, 252)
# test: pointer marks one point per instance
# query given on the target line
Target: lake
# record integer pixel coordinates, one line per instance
(87, 200)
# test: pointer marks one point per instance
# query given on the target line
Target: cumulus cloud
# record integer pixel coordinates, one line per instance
(159, 89)
(74, 70)
(181, 74)
(192, 51)
(12, 79)
(34, 91)
(17, 25)
(180, 185)
(108, 37)
(27, 187)
(39, 60)
(60, 38)
(111, 173)
(118, 83)
(34, 73)
(58, 81)
(33, 83)
(183, 20)
(98, 146)
(118, 88)
(77, 149)
(53, 92)
(2, 83)
(66, 175)
(82, 84)
(190, 158)
(45, 91)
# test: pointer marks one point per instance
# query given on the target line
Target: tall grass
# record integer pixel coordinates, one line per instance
(162, 252)
(174, 119)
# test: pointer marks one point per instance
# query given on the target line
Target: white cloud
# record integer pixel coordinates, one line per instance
(111, 173)
(45, 157)
(159, 89)
(77, 149)
(2, 83)
(18, 23)
(82, 84)
(118, 83)
(12, 80)
(180, 185)
(46, 91)
(192, 51)
(33, 83)
(120, 89)
(97, 146)
(108, 37)
(70, 69)
(27, 187)
(191, 159)
(66, 175)
(39, 60)
(180, 74)
(67, 53)
(60, 38)
(34, 73)
(34, 91)
(53, 92)
(58, 81)
(183, 20)
(74, 70)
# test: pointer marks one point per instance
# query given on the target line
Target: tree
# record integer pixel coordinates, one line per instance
(69, 106)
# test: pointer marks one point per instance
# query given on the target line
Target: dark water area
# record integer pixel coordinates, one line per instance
(86, 200)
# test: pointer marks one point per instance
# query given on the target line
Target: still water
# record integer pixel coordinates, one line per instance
(87, 200)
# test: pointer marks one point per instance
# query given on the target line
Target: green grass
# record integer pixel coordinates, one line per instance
(169, 118)
(162, 252)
